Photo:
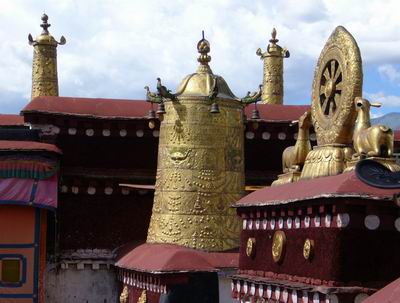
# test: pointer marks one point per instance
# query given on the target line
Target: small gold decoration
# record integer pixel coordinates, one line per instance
(308, 249)
(123, 298)
(278, 246)
(143, 297)
(251, 247)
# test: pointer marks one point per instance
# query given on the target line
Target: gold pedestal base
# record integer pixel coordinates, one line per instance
(326, 160)
(390, 163)
(289, 177)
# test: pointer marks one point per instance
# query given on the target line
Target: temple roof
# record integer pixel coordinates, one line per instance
(89, 107)
(169, 258)
(138, 109)
(339, 186)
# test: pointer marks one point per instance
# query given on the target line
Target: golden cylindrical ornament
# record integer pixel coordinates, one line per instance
(44, 66)
(200, 174)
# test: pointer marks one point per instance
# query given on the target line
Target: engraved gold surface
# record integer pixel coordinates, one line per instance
(289, 177)
(327, 160)
(200, 170)
(143, 297)
(278, 246)
(337, 81)
(371, 141)
(123, 298)
(44, 67)
(308, 249)
(293, 157)
(251, 247)
(273, 71)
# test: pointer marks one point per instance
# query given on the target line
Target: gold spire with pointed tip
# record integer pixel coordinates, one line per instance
(203, 47)
(273, 71)
(44, 67)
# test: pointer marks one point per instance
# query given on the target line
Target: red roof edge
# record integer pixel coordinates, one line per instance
(388, 294)
(170, 258)
(28, 146)
(11, 120)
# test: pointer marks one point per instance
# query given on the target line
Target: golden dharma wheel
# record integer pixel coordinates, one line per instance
(337, 81)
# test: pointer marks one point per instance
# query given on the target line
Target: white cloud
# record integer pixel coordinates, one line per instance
(388, 71)
(114, 48)
(386, 100)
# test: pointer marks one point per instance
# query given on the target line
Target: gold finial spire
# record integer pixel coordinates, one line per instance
(203, 47)
(273, 70)
(273, 35)
(44, 24)
(44, 67)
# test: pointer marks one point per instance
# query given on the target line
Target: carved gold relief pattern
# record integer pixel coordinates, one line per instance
(44, 71)
(278, 246)
(308, 249)
(328, 160)
(44, 66)
(143, 297)
(250, 247)
(200, 174)
(337, 81)
(272, 92)
(123, 298)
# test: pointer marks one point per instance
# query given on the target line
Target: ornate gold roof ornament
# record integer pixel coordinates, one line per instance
(336, 105)
(200, 170)
(44, 67)
(337, 82)
(273, 71)
(373, 142)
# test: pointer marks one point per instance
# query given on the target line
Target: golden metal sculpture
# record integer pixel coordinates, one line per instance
(44, 67)
(251, 247)
(143, 297)
(337, 81)
(278, 246)
(293, 157)
(123, 298)
(308, 249)
(273, 71)
(200, 169)
(371, 141)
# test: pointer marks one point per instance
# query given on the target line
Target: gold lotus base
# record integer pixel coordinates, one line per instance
(326, 160)
(289, 177)
(389, 163)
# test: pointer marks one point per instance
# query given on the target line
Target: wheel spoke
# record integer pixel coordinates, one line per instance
(339, 86)
(325, 107)
(322, 90)
(338, 74)
(326, 74)
(333, 69)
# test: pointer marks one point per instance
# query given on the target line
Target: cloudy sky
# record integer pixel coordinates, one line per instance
(116, 47)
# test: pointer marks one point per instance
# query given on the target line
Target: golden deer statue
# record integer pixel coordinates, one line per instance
(293, 157)
(371, 141)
